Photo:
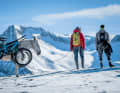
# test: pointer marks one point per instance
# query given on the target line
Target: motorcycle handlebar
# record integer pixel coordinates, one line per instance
(21, 37)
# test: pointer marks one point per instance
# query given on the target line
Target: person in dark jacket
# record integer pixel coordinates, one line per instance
(103, 44)
(77, 45)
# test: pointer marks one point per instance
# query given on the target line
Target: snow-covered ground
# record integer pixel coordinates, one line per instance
(54, 70)
(83, 81)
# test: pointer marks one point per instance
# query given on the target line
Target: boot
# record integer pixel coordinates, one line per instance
(82, 64)
(77, 66)
(111, 65)
(17, 75)
(101, 64)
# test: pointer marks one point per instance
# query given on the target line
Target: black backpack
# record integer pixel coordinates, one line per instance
(102, 37)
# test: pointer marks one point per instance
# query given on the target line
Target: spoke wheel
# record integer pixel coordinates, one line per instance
(23, 57)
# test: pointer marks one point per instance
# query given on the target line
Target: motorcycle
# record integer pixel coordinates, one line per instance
(21, 56)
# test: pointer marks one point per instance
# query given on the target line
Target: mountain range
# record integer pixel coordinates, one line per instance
(56, 54)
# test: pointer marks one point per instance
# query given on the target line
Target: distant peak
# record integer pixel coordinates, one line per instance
(16, 27)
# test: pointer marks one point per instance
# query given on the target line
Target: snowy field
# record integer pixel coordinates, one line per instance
(54, 70)
(82, 81)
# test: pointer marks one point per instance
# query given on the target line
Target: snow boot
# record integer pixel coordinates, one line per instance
(77, 65)
(17, 75)
(101, 64)
(82, 66)
(111, 65)
(82, 63)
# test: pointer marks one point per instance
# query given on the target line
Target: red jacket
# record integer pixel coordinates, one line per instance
(82, 40)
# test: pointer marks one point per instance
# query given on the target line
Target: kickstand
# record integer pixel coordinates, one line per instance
(17, 68)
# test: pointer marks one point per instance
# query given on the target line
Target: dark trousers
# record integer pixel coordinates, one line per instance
(108, 54)
(100, 52)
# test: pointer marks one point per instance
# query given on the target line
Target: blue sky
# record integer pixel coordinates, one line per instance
(62, 16)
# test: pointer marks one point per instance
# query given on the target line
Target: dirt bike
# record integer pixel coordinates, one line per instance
(21, 56)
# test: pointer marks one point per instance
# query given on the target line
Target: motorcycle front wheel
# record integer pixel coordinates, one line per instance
(23, 57)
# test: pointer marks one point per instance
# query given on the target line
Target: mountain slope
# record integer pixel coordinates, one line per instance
(54, 70)
(56, 55)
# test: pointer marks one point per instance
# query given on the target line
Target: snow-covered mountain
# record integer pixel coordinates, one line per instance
(56, 55)
(48, 42)
(59, 41)
(54, 70)
(116, 38)
(15, 31)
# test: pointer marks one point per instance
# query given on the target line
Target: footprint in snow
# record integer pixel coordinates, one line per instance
(95, 87)
(31, 86)
(118, 75)
(117, 71)
(22, 92)
(90, 82)
(86, 84)
(102, 92)
(108, 81)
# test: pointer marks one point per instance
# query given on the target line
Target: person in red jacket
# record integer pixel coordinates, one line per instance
(77, 45)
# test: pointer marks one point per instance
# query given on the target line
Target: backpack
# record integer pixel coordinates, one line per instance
(76, 38)
(102, 37)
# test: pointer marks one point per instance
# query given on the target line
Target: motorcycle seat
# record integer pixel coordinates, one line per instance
(3, 39)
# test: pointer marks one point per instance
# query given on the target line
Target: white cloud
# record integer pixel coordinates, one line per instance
(111, 10)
